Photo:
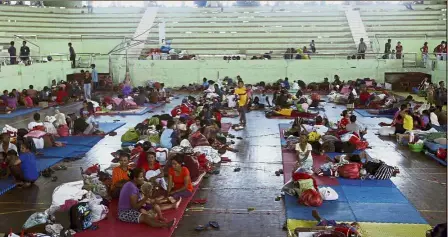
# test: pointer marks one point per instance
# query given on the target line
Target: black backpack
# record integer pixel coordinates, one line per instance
(80, 217)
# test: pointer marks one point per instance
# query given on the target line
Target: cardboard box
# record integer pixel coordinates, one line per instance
(43, 104)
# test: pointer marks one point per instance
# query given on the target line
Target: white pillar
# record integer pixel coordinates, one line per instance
(162, 40)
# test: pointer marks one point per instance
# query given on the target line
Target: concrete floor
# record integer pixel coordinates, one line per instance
(230, 193)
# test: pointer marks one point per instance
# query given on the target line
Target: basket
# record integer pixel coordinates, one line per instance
(417, 147)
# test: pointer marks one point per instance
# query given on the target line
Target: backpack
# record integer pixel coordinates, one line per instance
(80, 217)
(130, 136)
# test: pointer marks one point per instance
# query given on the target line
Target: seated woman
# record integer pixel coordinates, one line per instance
(120, 174)
(11, 103)
(49, 126)
(62, 96)
(130, 202)
(23, 168)
(179, 180)
(6, 144)
(304, 157)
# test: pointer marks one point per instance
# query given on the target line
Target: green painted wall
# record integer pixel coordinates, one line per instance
(175, 73)
(39, 75)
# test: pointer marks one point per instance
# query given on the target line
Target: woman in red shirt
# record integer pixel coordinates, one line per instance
(61, 96)
(398, 49)
(424, 51)
(364, 97)
(179, 181)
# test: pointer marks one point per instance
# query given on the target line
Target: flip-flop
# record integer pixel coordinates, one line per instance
(237, 169)
(112, 134)
(239, 138)
(199, 201)
(280, 171)
(54, 179)
(213, 224)
(200, 228)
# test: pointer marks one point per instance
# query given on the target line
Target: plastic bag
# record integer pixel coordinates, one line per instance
(99, 212)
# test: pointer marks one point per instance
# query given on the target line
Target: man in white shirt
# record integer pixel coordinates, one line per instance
(36, 122)
(295, 86)
(231, 101)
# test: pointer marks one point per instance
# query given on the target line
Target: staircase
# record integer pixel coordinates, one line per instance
(142, 32)
(358, 30)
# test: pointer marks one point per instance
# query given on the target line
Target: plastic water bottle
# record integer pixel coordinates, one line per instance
(411, 137)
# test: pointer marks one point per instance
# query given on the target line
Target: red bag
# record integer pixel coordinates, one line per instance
(176, 111)
(441, 153)
(315, 97)
(63, 130)
(350, 171)
(311, 198)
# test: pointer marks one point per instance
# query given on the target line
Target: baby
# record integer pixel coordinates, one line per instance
(154, 207)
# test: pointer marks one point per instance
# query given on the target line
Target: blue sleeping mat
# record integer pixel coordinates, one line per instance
(110, 127)
(19, 112)
(64, 152)
(6, 185)
(364, 113)
(80, 140)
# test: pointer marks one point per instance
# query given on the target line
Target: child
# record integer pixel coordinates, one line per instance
(155, 206)
(304, 158)
(329, 225)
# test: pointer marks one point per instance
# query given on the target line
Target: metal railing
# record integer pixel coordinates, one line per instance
(29, 60)
(131, 42)
(28, 41)
(74, 36)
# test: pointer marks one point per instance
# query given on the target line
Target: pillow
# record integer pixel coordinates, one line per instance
(328, 194)
(36, 134)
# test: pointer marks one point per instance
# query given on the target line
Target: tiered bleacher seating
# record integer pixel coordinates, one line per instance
(411, 27)
(52, 28)
(254, 31)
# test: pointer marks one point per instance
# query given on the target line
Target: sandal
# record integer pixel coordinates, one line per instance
(237, 169)
(199, 201)
(214, 224)
(200, 228)
(54, 179)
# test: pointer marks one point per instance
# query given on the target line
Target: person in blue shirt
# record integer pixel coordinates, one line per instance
(286, 83)
(23, 168)
(94, 76)
(204, 83)
(169, 137)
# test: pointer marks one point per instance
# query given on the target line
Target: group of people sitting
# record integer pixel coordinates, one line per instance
(172, 152)
(60, 93)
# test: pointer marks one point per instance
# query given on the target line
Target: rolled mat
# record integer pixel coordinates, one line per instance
(297, 115)
(19, 112)
(365, 113)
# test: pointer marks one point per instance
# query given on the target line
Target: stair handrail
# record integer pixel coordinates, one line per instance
(28, 41)
(122, 45)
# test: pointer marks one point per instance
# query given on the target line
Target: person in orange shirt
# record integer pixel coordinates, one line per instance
(120, 175)
(179, 181)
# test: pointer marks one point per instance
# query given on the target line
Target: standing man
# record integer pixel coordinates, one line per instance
(72, 55)
(398, 50)
(241, 92)
(87, 86)
(12, 54)
(424, 51)
(362, 49)
(387, 47)
(89, 7)
(94, 76)
(441, 94)
(24, 53)
(313, 46)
